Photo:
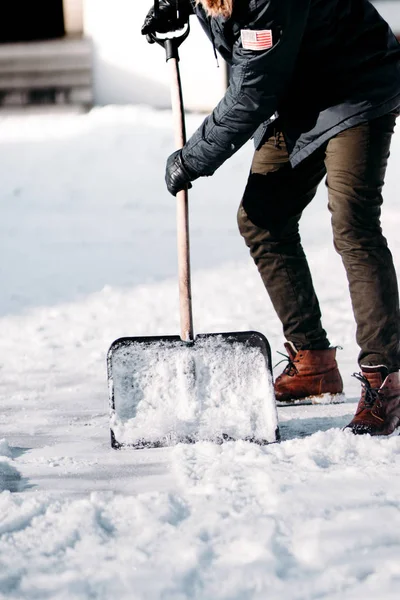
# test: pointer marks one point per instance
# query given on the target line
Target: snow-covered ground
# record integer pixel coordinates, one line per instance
(87, 254)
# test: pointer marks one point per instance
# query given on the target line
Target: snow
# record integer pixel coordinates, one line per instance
(87, 240)
(166, 391)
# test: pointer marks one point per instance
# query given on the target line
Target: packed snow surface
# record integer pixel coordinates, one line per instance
(87, 235)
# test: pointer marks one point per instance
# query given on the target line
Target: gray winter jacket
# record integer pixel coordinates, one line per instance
(322, 65)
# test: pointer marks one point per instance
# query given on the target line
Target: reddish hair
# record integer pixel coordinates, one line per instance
(217, 7)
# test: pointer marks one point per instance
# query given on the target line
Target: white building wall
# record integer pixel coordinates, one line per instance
(126, 69)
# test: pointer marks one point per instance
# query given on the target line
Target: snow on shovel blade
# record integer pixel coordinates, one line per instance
(164, 391)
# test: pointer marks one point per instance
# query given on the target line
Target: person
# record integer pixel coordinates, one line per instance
(317, 86)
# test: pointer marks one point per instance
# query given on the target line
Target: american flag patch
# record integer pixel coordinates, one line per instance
(256, 40)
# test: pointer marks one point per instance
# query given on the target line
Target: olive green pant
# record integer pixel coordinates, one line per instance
(354, 163)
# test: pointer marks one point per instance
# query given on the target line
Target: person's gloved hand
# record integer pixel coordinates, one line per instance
(166, 19)
(177, 175)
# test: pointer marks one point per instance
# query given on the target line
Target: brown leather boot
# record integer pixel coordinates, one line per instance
(378, 411)
(310, 376)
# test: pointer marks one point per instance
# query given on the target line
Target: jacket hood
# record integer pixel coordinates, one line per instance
(217, 7)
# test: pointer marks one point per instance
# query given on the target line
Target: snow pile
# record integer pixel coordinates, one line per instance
(284, 520)
(167, 391)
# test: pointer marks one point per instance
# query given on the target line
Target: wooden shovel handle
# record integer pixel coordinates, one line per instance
(185, 294)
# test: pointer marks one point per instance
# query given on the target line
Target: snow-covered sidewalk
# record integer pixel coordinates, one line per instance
(87, 240)
(311, 518)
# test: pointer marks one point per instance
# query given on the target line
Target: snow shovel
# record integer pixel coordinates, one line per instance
(170, 389)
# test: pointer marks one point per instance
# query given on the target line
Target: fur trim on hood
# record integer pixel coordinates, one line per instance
(217, 7)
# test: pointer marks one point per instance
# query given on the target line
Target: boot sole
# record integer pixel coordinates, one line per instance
(318, 399)
(366, 431)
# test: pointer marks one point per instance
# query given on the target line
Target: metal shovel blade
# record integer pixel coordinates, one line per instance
(164, 391)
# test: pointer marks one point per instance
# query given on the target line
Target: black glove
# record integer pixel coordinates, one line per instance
(177, 175)
(167, 19)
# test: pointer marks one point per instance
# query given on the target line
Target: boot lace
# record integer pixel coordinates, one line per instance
(290, 368)
(371, 394)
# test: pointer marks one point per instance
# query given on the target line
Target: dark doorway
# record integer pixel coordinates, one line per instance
(28, 20)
